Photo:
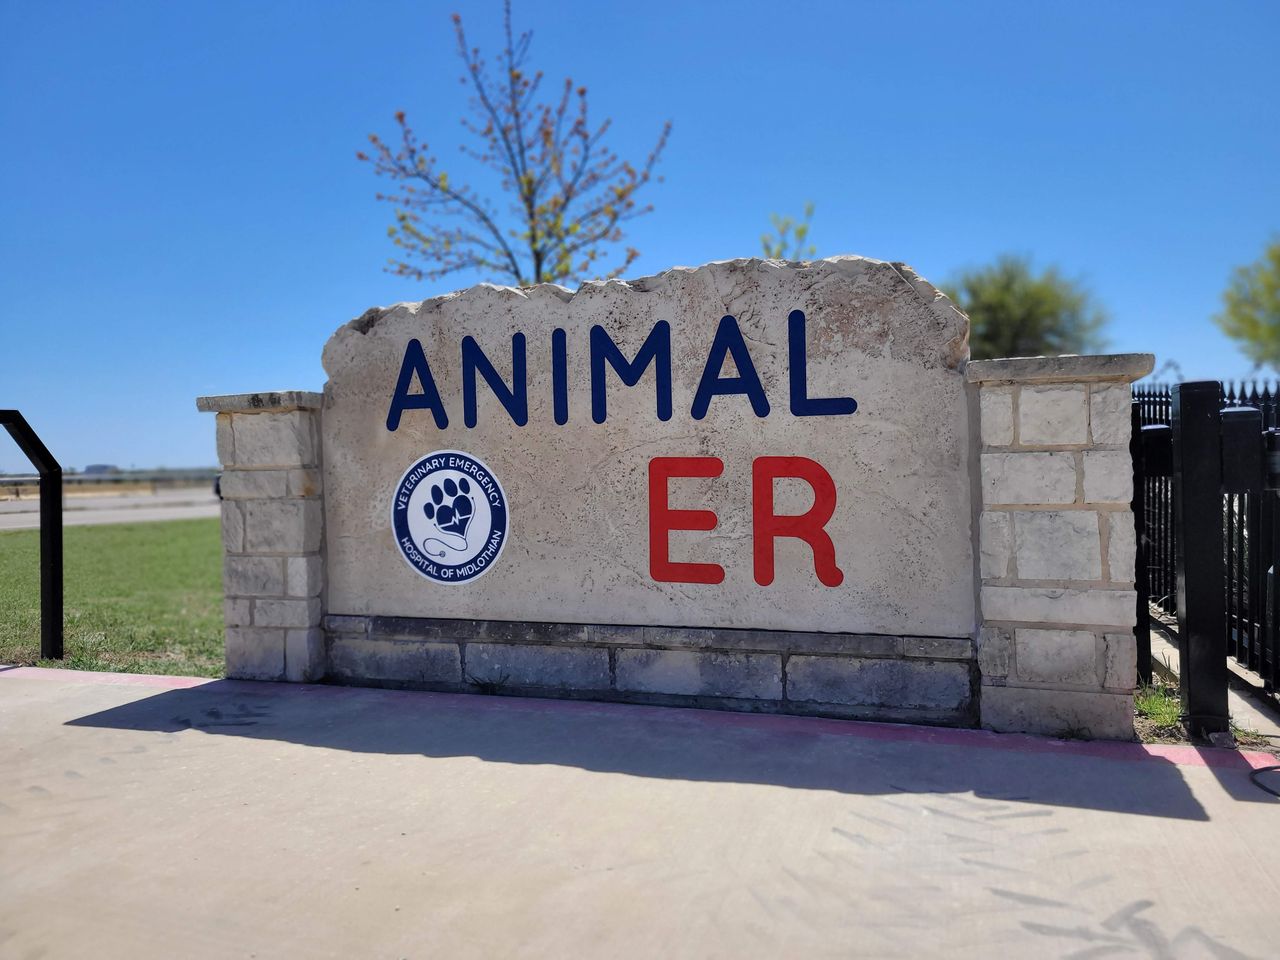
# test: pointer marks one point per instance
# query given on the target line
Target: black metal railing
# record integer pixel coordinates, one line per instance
(50, 530)
(1243, 506)
(1153, 403)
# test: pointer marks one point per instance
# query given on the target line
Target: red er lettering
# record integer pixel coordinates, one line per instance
(662, 520)
(808, 526)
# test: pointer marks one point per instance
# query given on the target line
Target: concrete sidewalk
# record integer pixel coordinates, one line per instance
(164, 817)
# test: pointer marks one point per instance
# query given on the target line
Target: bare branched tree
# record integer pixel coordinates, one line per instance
(570, 195)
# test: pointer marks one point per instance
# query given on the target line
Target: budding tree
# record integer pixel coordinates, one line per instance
(783, 244)
(568, 195)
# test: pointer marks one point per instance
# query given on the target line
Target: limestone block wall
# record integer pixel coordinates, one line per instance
(272, 533)
(1056, 648)
(867, 676)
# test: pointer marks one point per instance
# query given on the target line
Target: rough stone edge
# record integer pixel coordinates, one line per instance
(952, 356)
(275, 401)
(1125, 367)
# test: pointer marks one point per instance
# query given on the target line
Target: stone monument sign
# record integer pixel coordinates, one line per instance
(745, 445)
(753, 484)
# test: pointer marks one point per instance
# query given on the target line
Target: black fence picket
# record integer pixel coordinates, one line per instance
(1251, 526)
(51, 583)
(1155, 408)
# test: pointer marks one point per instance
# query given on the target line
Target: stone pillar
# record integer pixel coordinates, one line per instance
(1056, 544)
(272, 533)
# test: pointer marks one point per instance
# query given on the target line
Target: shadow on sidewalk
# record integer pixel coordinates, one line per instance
(684, 744)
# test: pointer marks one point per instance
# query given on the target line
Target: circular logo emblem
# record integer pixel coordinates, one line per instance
(449, 514)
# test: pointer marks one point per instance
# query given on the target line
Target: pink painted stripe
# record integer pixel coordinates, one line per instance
(1177, 754)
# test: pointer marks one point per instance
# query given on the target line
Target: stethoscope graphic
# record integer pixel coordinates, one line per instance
(446, 546)
(457, 542)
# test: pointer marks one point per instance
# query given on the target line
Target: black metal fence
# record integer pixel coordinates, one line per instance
(1246, 416)
(1154, 408)
(51, 586)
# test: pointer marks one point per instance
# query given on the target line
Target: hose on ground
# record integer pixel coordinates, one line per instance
(1257, 783)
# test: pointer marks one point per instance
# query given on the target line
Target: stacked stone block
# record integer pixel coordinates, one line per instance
(272, 534)
(1056, 544)
(868, 676)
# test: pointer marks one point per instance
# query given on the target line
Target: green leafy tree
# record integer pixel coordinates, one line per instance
(568, 195)
(1251, 308)
(1016, 312)
(787, 242)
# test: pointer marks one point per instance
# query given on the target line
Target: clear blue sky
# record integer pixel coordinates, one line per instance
(182, 212)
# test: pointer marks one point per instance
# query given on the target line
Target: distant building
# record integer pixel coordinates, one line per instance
(100, 468)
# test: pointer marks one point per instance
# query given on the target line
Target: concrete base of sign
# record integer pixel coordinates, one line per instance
(913, 679)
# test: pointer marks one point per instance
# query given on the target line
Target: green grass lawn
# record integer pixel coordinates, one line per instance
(140, 598)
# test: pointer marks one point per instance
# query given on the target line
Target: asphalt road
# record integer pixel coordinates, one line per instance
(133, 508)
(172, 817)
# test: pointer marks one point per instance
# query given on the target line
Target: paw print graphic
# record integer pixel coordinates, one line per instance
(451, 509)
